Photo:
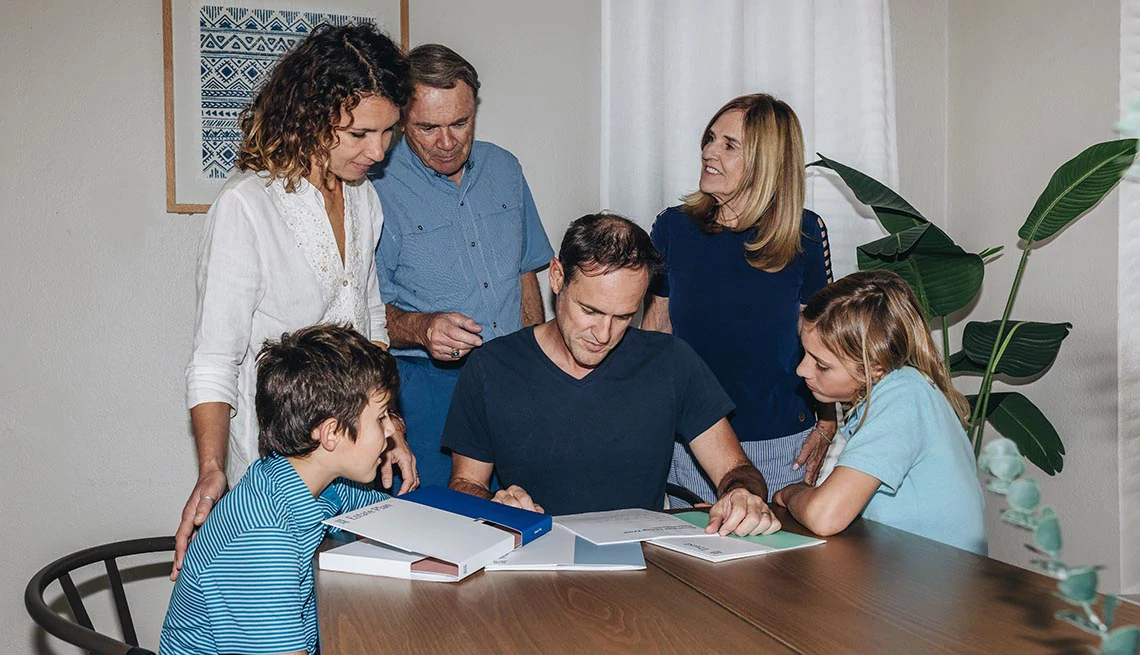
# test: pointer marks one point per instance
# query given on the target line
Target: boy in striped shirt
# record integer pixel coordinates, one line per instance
(246, 584)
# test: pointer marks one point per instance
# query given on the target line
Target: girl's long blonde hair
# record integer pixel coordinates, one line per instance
(772, 188)
(871, 319)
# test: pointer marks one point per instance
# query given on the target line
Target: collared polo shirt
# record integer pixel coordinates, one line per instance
(458, 248)
(246, 585)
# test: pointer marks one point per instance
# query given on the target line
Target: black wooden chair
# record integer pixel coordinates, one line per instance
(677, 491)
(81, 632)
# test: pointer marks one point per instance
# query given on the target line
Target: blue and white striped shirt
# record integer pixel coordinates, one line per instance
(246, 585)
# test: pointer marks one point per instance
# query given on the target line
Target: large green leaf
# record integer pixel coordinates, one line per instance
(1018, 419)
(1032, 347)
(895, 213)
(1077, 185)
(943, 276)
(960, 363)
(894, 245)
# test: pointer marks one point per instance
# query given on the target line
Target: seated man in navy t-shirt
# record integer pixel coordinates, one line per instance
(579, 414)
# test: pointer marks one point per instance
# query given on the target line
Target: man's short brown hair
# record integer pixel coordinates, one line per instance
(440, 67)
(313, 374)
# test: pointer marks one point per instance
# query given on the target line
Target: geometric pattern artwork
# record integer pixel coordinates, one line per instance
(237, 47)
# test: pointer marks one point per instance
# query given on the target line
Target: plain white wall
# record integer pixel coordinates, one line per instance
(992, 98)
(918, 31)
(97, 283)
(1032, 83)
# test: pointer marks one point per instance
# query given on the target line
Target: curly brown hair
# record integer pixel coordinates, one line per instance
(290, 123)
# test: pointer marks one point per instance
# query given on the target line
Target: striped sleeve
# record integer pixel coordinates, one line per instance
(817, 257)
(253, 591)
(354, 495)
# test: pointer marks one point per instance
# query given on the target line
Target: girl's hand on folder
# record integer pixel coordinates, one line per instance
(516, 496)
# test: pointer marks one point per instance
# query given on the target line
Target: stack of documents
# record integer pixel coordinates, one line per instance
(562, 550)
(721, 549)
(412, 537)
(683, 532)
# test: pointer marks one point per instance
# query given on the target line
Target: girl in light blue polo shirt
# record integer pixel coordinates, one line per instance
(907, 462)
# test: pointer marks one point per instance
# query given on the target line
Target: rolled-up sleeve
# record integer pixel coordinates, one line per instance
(230, 287)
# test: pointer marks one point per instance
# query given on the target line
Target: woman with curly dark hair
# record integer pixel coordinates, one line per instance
(290, 240)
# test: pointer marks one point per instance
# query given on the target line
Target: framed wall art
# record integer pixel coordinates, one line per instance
(215, 55)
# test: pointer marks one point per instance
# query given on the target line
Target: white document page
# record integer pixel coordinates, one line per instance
(562, 550)
(626, 525)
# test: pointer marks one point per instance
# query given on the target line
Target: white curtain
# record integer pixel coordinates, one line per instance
(668, 65)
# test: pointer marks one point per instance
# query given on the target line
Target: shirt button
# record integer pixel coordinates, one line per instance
(460, 203)
(472, 244)
(494, 324)
(504, 206)
(344, 283)
(420, 228)
(484, 285)
(802, 417)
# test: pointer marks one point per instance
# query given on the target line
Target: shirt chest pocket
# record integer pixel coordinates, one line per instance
(430, 255)
(500, 229)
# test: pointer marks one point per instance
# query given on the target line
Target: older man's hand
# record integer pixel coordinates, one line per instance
(451, 335)
(742, 513)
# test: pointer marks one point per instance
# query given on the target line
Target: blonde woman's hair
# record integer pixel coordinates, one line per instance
(871, 319)
(771, 193)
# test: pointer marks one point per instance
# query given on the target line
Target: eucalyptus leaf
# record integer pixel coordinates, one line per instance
(1077, 185)
(1078, 619)
(1020, 518)
(1079, 586)
(1017, 418)
(1124, 640)
(1032, 345)
(1024, 494)
(1108, 609)
(1001, 445)
(1047, 534)
(894, 213)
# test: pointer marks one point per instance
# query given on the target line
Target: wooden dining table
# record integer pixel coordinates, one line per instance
(870, 589)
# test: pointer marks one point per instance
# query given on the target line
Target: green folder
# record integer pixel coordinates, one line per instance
(780, 541)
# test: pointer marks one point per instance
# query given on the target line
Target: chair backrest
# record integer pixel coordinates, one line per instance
(82, 633)
(677, 491)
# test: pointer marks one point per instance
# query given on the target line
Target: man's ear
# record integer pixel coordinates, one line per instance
(557, 275)
(328, 434)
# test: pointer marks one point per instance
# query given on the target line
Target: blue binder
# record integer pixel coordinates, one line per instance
(525, 524)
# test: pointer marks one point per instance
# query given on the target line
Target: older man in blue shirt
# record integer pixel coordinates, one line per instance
(461, 243)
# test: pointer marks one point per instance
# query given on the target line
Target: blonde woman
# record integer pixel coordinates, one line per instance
(290, 240)
(907, 462)
(742, 256)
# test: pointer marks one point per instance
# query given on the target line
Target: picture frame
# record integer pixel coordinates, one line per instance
(215, 53)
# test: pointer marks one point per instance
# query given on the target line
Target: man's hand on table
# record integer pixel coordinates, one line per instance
(742, 513)
(516, 496)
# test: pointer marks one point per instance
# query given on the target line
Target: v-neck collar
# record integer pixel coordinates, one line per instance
(532, 340)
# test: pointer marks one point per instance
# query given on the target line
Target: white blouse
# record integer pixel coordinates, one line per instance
(269, 264)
